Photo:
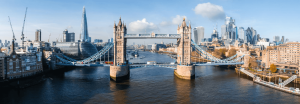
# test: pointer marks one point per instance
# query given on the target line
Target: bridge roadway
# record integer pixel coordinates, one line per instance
(152, 36)
(137, 65)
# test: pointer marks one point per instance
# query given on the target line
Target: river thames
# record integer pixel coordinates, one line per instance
(146, 85)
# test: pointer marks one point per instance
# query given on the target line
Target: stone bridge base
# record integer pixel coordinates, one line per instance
(185, 72)
(119, 73)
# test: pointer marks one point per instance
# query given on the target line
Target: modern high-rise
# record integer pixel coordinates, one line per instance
(68, 37)
(254, 36)
(38, 35)
(282, 39)
(276, 38)
(241, 33)
(84, 36)
(98, 41)
(81, 49)
(250, 36)
(198, 34)
(215, 34)
(229, 30)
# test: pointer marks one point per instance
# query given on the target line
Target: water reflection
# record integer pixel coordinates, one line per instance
(183, 90)
(119, 91)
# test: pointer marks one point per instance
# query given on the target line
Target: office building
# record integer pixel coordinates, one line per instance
(38, 35)
(283, 57)
(282, 39)
(198, 34)
(250, 36)
(156, 47)
(215, 34)
(254, 36)
(276, 38)
(84, 36)
(241, 33)
(81, 49)
(90, 39)
(2, 65)
(98, 41)
(229, 30)
(68, 37)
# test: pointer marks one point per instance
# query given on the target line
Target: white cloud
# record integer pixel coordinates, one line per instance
(165, 23)
(178, 19)
(210, 11)
(140, 26)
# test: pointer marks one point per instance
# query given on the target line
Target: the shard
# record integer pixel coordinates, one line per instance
(84, 36)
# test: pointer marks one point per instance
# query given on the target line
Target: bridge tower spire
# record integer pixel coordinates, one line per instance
(120, 68)
(184, 46)
(185, 69)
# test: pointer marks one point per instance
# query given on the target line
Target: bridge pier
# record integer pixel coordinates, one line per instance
(119, 73)
(185, 72)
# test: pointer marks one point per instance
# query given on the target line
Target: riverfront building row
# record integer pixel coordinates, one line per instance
(285, 56)
(19, 65)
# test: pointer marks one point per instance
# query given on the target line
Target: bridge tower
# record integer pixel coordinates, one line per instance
(120, 69)
(185, 69)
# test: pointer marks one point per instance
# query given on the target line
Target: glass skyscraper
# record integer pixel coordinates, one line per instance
(198, 34)
(229, 30)
(84, 36)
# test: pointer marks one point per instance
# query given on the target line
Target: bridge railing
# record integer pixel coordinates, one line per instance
(73, 60)
(98, 54)
(209, 56)
(149, 35)
(89, 59)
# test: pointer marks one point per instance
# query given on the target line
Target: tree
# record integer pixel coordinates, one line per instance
(273, 68)
(252, 62)
(232, 52)
(219, 53)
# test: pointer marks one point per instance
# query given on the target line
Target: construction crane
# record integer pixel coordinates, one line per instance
(22, 35)
(12, 30)
(49, 37)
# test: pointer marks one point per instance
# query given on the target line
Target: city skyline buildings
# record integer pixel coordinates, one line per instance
(42, 15)
(229, 29)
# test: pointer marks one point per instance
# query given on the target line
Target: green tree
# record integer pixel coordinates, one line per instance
(273, 68)
(232, 52)
(252, 62)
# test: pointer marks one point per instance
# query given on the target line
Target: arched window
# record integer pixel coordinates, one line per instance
(17, 63)
(11, 64)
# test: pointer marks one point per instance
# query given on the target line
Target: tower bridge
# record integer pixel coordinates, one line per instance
(183, 67)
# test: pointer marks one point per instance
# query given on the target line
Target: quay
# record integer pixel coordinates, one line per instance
(280, 86)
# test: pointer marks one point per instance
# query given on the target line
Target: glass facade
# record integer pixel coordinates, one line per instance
(77, 49)
(84, 28)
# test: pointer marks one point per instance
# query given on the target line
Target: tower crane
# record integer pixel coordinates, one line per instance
(22, 35)
(12, 30)
(49, 37)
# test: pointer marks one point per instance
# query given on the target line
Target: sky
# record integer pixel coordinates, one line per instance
(268, 17)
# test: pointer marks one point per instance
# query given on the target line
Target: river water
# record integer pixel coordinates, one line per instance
(146, 85)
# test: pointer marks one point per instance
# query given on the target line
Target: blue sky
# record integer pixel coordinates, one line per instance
(268, 17)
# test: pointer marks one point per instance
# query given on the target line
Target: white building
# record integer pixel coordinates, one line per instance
(198, 34)
(263, 42)
(241, 33)
(276, 38)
